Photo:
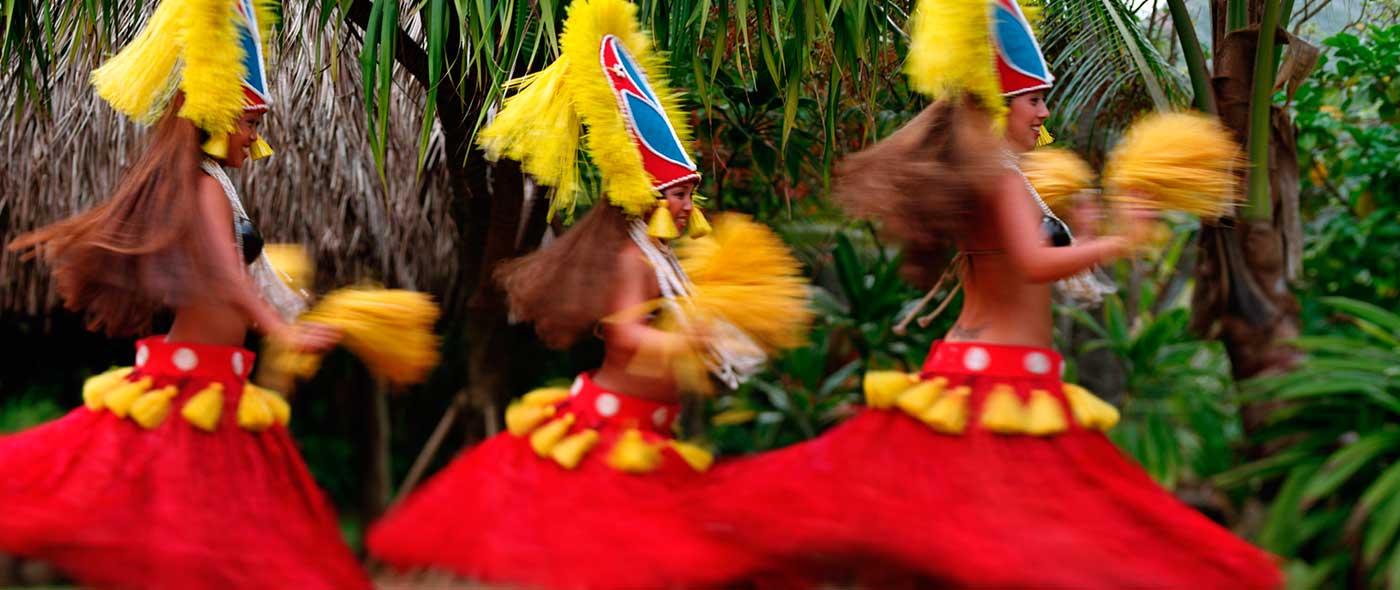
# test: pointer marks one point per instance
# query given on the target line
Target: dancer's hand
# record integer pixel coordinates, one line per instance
(1136, 225)
(308, 336)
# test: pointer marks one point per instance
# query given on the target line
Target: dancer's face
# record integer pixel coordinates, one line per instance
(242, 138)
(1028, 113)
(678, 200)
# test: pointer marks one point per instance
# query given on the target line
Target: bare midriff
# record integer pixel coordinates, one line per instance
(1000, 305)
(209, 323)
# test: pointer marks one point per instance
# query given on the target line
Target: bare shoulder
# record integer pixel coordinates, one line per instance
(211, 195)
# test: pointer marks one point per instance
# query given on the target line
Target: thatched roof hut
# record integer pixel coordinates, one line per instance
(320, 189)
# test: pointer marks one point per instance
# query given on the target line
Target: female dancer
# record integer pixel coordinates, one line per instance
(583, 491)
(983, 469)
(177, 473)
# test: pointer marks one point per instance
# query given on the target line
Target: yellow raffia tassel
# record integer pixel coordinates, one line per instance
(216, 146)
(1002, 411)
(744, 273)
(390, 330)
(1045, 137)
(918, 399)
(545, 396)
(662, 226)
(254, 413)
(882, 388)
(948, 414)
(539, 125)
(1090, 411)
(698, 227)
(1057, 175)
(292, 263)
(96, 387)
(151, 409)
(570, 451)
(203, 409)
(1176, 161)
(632, 454)
(695, 456)
(1044, 415)
(259, 149)
(951, 55)
(544, 439)
(120, 398)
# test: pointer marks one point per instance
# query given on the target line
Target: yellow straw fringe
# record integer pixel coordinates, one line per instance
(1176, 161)
(947, 410)
(951, 55)
(544, 439)
(696, 457)
(570, 451)
(120, 398)
(1057, 175)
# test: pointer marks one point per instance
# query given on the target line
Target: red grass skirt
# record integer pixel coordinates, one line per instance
(170, 505)
(885, 492)
(566, 513)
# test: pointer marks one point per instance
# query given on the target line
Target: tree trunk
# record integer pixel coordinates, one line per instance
(1243, 265)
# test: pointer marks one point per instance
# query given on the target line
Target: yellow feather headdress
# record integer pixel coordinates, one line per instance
(212, 50)
(608, 81)
(980, 48)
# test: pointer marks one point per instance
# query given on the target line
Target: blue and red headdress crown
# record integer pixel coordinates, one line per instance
(211, 50)
(608, 80)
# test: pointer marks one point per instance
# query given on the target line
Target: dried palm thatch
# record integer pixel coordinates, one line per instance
(320, 189)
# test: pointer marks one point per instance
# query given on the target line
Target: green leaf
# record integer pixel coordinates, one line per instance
(1346, 462)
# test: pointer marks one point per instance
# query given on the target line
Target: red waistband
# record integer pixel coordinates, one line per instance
(157, 356)
(595, 406)
(1003, 360)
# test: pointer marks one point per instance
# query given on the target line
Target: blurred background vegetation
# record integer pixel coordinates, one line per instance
(1260, 383)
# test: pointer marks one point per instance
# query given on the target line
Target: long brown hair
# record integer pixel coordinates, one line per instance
(922, 183)
(141, 249)
(567, 286)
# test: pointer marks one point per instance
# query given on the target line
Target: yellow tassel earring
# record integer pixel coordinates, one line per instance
(698, 227)
(1045, 137)
(217, 146)
(259, 149)
(662, 226)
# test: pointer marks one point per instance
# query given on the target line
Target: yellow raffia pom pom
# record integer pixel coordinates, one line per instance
(390, 330)
(203, 409)
(539, 125)
(151, 409)
(1090, 411)
(292, 263)
(948, 414)
(745, 274)
(1044, 415)
(1176, 161)
(1002, 411)
(632, 454)
(96, 387)
(917, 399)
(120, 398)
(951, 55)
(570, 451)
(1057, 176)
(544, 439)
(882, 388)
(254, 412)
(695, 456)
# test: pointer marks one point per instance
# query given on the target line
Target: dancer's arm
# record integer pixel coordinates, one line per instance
(636, 287)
